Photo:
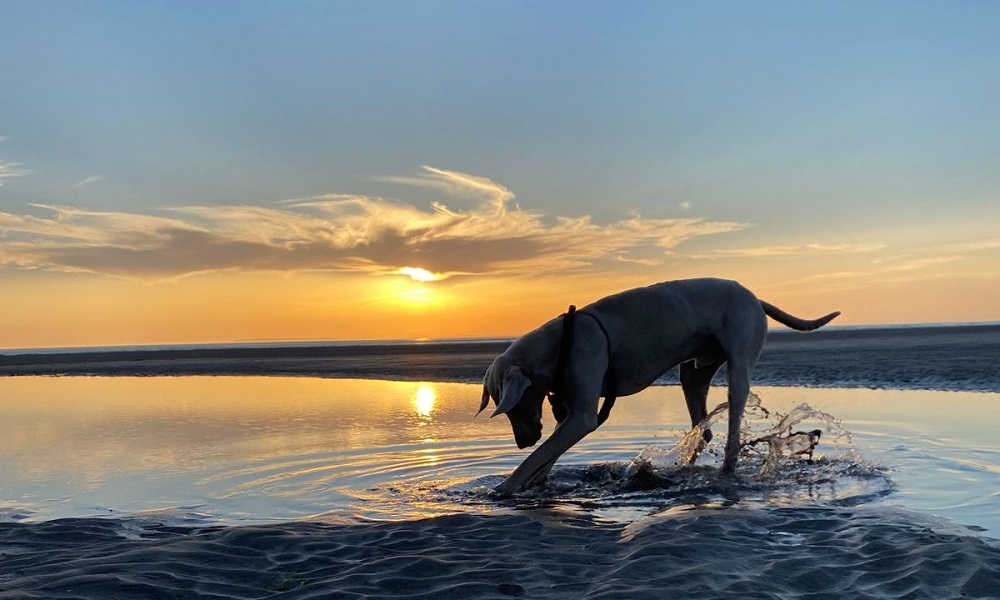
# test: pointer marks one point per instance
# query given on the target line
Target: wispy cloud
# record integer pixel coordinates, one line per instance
(339, 233)
(973, 246)
(87, 181)
(10, 170)
(457, 184)
(794, 251)
(918, 264)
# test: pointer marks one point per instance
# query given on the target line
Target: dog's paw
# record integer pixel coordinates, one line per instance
(501, 492)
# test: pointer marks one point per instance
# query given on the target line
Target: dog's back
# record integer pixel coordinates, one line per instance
(655, 328)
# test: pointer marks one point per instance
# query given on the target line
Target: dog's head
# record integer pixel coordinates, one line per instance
(519, 397)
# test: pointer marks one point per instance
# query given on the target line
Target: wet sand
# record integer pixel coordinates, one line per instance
(703, 553)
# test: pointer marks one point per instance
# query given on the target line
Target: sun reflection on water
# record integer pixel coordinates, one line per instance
(424, 399)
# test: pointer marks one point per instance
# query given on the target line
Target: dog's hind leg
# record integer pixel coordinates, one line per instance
(739, 389)
(742, 341)
(695, 382)
(739, 368)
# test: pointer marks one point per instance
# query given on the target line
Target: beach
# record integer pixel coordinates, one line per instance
(359, 472)
(707, 553)
(257, 258)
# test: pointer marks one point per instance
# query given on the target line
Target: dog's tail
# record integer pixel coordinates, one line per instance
(794, 322)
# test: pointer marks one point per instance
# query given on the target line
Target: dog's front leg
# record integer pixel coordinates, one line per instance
(582, 385)
(567, 433)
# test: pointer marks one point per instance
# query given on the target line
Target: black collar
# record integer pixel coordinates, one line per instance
(556, 398)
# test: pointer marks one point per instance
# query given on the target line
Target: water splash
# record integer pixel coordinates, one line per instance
(779, 464)
(804, 453)
(687, 450)
(760, 427)
(783, 444)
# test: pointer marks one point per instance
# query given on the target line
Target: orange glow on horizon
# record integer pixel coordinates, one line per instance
(252, 307)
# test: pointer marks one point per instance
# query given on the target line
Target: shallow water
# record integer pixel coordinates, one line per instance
(247, 450)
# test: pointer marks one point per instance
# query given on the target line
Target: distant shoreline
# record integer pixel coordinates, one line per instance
(280, 343)
(944, 357)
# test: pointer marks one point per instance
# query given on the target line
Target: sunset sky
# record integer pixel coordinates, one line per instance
(178, 172)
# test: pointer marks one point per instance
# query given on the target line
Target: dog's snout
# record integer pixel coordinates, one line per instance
(527, 438)
(527, 441)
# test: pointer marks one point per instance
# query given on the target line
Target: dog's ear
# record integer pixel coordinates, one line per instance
(486, 400)
(515, 381)
(487, 378)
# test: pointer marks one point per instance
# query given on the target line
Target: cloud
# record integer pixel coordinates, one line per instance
(794, 251)
(458, 184)
(921, 264)
(339, 232)
(10, 170)
(905, 263)
(87, 181)
(973, 246)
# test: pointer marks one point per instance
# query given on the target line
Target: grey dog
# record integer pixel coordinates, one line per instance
(618, 346)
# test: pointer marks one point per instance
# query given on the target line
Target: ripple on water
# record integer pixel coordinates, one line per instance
(772, 472)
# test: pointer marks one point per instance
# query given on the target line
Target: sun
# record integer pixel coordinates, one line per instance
(411, 294)
(418, 274)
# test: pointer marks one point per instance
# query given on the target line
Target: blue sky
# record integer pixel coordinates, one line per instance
(869, 129)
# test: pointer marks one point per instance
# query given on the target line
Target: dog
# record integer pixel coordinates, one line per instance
(619, 345)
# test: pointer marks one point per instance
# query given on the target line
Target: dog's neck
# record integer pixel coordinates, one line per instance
(560, 407)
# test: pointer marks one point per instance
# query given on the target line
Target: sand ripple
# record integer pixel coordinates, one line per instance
(696, 553)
